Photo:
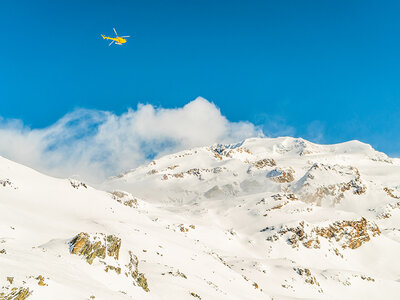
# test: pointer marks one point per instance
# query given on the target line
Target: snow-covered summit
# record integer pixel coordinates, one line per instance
(254, 165)
(266, 218)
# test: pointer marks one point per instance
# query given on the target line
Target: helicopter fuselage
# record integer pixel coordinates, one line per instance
(118, 40)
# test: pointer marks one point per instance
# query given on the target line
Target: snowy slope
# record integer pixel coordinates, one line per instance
(264, 219)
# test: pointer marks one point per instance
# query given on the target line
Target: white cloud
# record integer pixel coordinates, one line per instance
(274, 125)
(315, 132)
(96, 144)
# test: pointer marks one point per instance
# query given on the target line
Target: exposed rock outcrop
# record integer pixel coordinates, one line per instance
(98, 246)
(348, 234)
(328, 184)
(133, 271)
(281, 176)
(262, 163)
(16, 294)
(125, 198)
(390, 192)
(77, 184)
(227, 151)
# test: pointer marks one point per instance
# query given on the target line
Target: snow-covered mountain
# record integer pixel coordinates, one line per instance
(264, 219)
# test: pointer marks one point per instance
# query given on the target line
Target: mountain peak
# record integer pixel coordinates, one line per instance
(266, 218)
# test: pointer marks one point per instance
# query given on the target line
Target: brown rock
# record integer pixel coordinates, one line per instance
(81, 245)
(41, 280)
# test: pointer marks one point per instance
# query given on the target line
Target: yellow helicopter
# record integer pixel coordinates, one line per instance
(119, 40)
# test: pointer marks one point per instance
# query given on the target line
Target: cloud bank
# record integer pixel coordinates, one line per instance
(94, 144)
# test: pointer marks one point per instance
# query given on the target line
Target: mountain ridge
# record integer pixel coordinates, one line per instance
(262, 219)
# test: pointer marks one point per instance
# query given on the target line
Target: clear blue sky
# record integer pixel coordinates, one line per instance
(328, 66)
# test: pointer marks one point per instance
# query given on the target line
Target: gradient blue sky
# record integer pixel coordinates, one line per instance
(325, 70)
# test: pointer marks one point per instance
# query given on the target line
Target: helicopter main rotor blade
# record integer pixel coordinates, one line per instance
(125, 36)
(115, 32)
(111, 43)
